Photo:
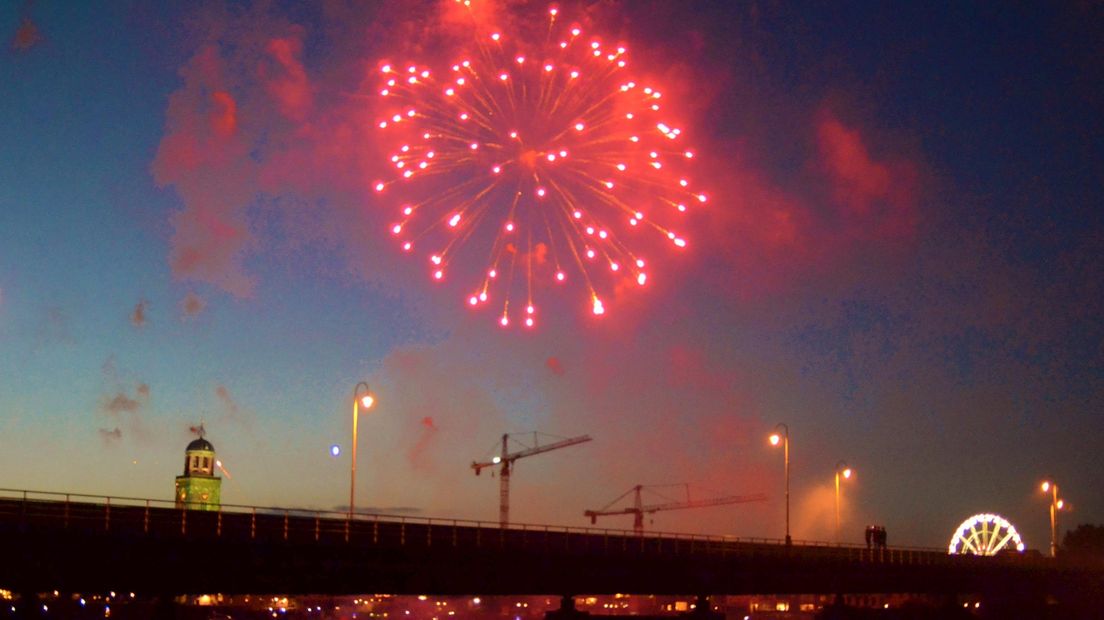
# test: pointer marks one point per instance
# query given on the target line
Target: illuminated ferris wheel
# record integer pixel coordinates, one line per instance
(986, 534)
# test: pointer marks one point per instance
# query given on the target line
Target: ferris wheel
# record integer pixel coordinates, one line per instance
(986, 534)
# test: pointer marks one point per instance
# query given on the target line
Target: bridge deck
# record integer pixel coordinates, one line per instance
(71, 542)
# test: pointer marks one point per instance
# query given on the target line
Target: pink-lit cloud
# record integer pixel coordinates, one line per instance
(554, 365)
(138, 315)
(419, 454)
(26, 37)
(205, 158)
(192, 305)
(257, 131)
(227, 401)
(848, 206)
(878, 197)
(285, 79)
(657, 413)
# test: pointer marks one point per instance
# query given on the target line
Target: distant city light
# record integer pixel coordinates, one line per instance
(335, 450)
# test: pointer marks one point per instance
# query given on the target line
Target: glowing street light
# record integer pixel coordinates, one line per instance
(1056, 504)
(784, 439)
(842, 471)
(366, 400)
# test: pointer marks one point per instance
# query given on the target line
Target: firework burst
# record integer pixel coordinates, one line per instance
(547, 160)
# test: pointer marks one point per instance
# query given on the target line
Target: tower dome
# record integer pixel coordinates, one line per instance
(200, 444)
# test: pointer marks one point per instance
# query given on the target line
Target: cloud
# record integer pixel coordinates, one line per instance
(204, 156)
(245, 139)
(814, 514)
(192, 305)
(448, 404)
(138, 315)
(554, 365)
(267, 146)
(285, 78)
(266, 151)
(433, 398)
(418, 455)
(229, 412)
(126, 412)
(227, 401)
(766, 234)
(26, 37)
(54, 328)
(879, 197)
(111, 435)
(121, 403)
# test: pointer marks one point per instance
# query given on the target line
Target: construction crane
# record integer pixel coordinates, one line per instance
(639, 509)
(505, 461)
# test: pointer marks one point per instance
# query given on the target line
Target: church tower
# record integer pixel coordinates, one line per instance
(198, 488)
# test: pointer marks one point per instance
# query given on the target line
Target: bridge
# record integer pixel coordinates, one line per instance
(81, 543)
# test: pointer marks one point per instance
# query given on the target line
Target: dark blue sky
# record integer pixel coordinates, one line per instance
(901, 259)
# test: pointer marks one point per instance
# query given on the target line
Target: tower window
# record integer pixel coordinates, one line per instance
(206, 464)
(195, 462)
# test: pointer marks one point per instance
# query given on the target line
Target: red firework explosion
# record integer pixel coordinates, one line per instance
(549, 159)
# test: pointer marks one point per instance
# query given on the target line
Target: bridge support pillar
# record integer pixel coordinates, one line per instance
(567, 610)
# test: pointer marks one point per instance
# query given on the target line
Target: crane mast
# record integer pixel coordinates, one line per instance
(503, 487)
(505, 461)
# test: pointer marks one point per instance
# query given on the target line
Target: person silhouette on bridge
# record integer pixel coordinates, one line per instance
(869, 535)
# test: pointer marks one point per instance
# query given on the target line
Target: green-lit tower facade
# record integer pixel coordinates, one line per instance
(198, 488)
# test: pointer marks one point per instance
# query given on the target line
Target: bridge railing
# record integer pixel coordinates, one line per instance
(163, 518)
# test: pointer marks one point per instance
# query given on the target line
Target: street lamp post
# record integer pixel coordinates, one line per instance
(842, 470)
(367, 400)
(784, 438)
(1050, 487)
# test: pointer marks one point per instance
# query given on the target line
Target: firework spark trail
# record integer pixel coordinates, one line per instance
(223, 470)
(551, 155)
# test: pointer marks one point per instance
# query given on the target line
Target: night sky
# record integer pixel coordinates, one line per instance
(901, 259)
